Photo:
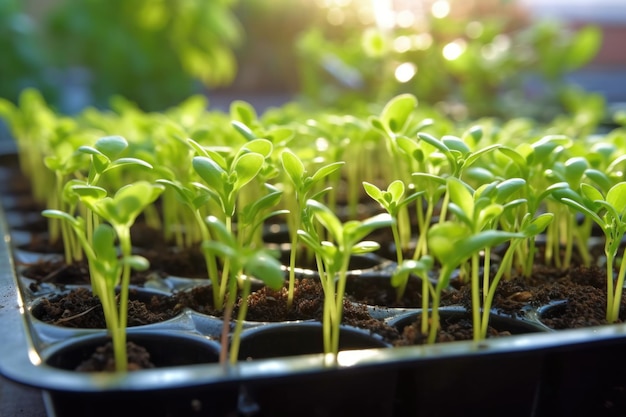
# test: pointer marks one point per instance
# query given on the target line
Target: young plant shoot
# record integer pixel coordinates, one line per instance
(107, 270)
(334, 258)
(303, 190)
(392, 200)
(609, 212)
(245, 263)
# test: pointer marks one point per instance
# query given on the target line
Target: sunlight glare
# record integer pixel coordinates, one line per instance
(440, 9)
(402, 44)
(405, 72)
(455, 49)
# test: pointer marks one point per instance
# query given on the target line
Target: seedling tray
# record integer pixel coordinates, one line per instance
(531, 374)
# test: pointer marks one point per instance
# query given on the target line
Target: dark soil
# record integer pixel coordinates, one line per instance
(79, 308)
(102, 359)
(267, 305)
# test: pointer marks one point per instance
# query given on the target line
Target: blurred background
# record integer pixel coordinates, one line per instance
(469, 58)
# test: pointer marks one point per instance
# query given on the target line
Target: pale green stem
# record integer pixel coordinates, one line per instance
(421, 248)
(475, 296)
(619, 286)
(228, 312)
(610, 258)
(569, 241)
(444, 277)
(425, 298)
(211, 262)
(341, 288)
(502, 271)
(486, 272)
(241, 316)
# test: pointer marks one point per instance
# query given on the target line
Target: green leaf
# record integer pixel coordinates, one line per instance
(396, 189)
(247, 166)
(419, 267)
(367, 226)
(111, 146)
(584, 47)
(327, 218)
(104, 243)
(309, 240)
(508, 187)
(474, 133)
(366, 246)
(129, 201)
(373, 191)
(574, 169)
(243, 112)
(294, 168)
(221, 233)
(616, 197)
(473, 157)
(210, 172)
(397, 112)
(129, 161)
(261, 146)
(136, 262)
(538, 224)
(461, 196)
(600, 178)
(326, 170)
(410, 147)
(61, 215)
(266, 268)
(590, 192)
(443, 240)
(584, 209)
(89, 191)
(454, 143)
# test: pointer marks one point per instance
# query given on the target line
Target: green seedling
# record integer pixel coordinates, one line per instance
(477, 216)
(334, 258)
(223, 180)
(245, 263)
(607, 211)
(393, 199)
(420, 268)
(107, 270)
(304, 188)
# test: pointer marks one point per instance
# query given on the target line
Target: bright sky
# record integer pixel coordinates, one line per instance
(600, 11)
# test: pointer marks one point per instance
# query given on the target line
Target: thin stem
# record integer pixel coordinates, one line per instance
(486, 272)
(502, 271)
(475, 297)
(211, 262)
(610, 257)
(241, 316)
(228, 313)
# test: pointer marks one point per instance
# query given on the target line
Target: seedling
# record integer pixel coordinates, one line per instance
(107, 271)
(245, 263)
(393, 199)
(223, 179)
(608, 211)
(303, 190)
(334, 258)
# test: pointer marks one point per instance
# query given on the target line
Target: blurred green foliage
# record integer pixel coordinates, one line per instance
(150, 51)
(156, 53)
(22, 61)
(504, 64)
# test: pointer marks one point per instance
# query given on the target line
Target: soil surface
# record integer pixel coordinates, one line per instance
(79, 308)
(102, 359)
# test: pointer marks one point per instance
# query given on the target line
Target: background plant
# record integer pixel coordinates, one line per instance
(152, 52)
